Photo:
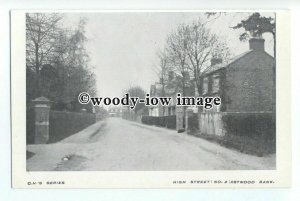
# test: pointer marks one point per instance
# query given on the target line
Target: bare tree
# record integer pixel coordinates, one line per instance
(162, 69)
(41, 31)
(57, 61)
(189, 50)
(201, 47)
(177, 55)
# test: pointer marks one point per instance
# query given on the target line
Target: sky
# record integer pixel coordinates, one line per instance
(123, 45)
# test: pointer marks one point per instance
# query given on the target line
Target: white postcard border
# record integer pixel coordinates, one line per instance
(149, 179)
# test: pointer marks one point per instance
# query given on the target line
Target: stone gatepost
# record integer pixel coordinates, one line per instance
(179, 118)
(42, 109)
(189, 112)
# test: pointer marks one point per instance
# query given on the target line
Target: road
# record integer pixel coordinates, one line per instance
(118, 144)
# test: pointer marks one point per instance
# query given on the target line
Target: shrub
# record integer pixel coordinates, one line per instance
(250, 132)
(193, 123)
(30, 125)
(65, 124)
(163, 121)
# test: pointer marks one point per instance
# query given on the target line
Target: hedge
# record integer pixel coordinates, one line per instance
(162, 121)
(30, 125)
(64, 124)
(253, 133)
(193, 123)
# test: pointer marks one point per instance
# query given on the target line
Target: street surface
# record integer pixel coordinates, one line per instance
(117, 144)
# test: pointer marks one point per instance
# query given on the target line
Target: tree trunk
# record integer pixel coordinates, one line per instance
(37, 69)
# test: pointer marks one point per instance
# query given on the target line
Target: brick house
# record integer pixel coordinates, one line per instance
(246, 83)
(246, 118)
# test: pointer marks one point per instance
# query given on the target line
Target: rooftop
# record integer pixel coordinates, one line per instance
(225, 64)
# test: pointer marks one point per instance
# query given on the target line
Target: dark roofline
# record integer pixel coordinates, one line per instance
(214, 71)
(224, 65)
(240, 56)
(269, 55)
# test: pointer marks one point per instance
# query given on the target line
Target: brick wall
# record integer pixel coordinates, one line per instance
(249, 84)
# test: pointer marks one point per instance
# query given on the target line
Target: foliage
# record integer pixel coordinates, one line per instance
(248, 130)
(137, 91)
(193, 123)
(64, 124)
(57, 61)
(162, 121)
(256, 25)
(30, 125)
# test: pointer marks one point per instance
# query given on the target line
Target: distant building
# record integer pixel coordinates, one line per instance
(115, 111)
(171, 87)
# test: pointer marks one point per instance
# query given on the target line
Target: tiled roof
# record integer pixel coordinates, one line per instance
(224, 65)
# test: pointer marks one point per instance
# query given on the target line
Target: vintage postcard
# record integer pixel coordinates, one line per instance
(150, 99)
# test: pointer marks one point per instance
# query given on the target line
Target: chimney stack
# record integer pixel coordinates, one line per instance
(257, 44)
(215, 61)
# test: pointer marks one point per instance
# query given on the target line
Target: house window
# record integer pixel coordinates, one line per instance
(205, 85)
(155, 112)
(173, 110)
(169, 111)
(216, 84)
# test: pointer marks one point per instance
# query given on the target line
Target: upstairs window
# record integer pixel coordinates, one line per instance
(205, 85)
(216, 84)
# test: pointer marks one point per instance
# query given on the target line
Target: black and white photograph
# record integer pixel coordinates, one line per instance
(230, 55)
(150, 99)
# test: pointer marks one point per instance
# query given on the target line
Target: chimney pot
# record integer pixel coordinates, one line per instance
(215, 61)
(257, 44)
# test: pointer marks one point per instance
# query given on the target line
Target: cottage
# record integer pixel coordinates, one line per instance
(170, 88)
(246, 85)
